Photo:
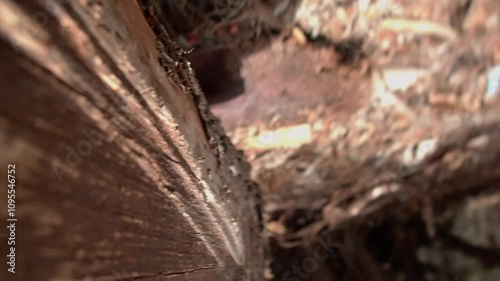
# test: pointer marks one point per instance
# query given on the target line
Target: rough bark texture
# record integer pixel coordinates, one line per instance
(122, 173)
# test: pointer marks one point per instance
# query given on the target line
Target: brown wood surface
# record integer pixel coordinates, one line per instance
(122, 174)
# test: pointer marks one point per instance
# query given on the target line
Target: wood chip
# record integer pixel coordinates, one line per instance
(287, 137)
(299, 36)
(419, 27)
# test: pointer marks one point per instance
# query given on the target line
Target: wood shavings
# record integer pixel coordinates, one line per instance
(419, 27)
(287, 137)
(299, 36)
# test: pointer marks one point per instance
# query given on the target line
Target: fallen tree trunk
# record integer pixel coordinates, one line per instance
(121, 172)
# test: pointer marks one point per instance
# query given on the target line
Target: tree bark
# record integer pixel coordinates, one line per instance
(121, 171)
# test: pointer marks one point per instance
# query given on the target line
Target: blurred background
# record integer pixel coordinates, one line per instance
(371, 126)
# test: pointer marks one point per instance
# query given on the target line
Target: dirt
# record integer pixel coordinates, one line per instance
(285, 79)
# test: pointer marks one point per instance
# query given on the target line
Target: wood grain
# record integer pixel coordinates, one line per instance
(120, 175)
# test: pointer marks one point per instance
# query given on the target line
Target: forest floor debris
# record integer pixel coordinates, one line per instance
(349, 109)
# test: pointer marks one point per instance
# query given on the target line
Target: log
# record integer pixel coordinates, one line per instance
(121, 172)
